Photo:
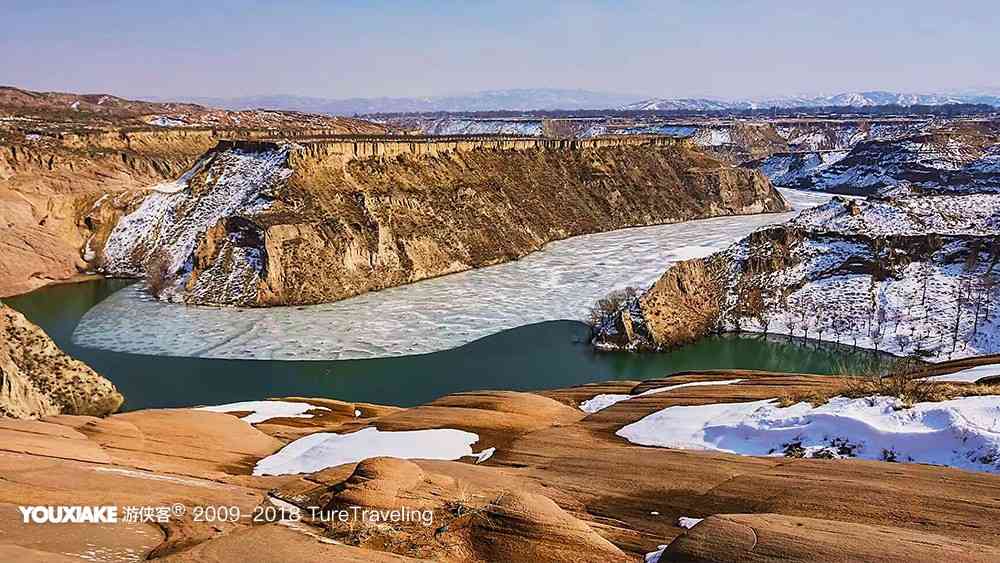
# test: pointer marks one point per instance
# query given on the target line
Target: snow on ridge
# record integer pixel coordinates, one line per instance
(962, 433)
(171, 218)
(605, 400)
(319, 451)
(459, 126)
(261, 411)
(688, 523)
(166, 121)
(791, 169)
(970, 375)
(953, 214)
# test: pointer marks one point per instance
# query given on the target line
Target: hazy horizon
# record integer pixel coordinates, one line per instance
(408, 49)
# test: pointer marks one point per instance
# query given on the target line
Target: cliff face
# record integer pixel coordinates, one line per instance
(908, 273)
(38, 379)
(52, 174)
(276, 223)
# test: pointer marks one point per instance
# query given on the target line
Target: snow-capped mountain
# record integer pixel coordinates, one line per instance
(490, 100)
(679, 104)
(845, 99)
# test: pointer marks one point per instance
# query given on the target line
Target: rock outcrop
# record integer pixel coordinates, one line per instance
(271, 223)
(38, 379)
(57, 160)
(909, 273)
(954, 157)
(562, 488)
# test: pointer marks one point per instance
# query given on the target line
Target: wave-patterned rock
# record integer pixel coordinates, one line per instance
(268, 223)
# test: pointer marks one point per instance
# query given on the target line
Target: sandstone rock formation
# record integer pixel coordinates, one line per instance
(62, 153)
(37, 379)
(560, 487)
(275, 223)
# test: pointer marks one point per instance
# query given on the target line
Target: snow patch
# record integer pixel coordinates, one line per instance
(962, 433)
(261, 411)
(603, 401)
(688, 523)
(484, 455)
(970, 375)
(164, 121)
(654, 556)
(327, 449)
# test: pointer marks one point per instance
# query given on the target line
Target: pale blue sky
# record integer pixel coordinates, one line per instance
(345, 49)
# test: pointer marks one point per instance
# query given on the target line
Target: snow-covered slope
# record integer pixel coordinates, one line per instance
(963, 432)
(911, 275)
(163, 232)
(944, 159)
(906, 272)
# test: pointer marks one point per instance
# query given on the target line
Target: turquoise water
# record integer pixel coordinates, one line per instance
(538, 356)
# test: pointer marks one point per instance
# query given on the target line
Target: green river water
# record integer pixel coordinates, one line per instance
(539, 356)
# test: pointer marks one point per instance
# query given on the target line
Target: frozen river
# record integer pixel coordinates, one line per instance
(559, 282)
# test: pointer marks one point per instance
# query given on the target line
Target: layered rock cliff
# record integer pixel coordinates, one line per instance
(52, 174)
(37, 379)
(909, 273)
(271, 223)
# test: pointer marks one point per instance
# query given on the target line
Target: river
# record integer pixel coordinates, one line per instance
(502, 327)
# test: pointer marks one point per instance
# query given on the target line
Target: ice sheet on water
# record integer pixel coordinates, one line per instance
(559, 282)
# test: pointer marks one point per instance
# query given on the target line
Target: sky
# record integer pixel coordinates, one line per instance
(347, 49)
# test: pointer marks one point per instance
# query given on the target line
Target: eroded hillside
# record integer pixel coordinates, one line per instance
(910, 273)
(953, 156)
(279, 223)
(62, 153)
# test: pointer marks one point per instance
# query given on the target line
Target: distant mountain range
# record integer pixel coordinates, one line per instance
(562, 99)
(490, 100)
(846, 99)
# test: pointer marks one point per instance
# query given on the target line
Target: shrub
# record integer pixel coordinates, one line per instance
(159, 274)
(904, 379)
(609, 305)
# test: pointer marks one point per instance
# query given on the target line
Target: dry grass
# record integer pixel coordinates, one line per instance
(903, 379)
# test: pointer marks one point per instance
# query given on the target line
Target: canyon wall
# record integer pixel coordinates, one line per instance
(910, 273)
(51, 178)
(274, 223)
(951, 156)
